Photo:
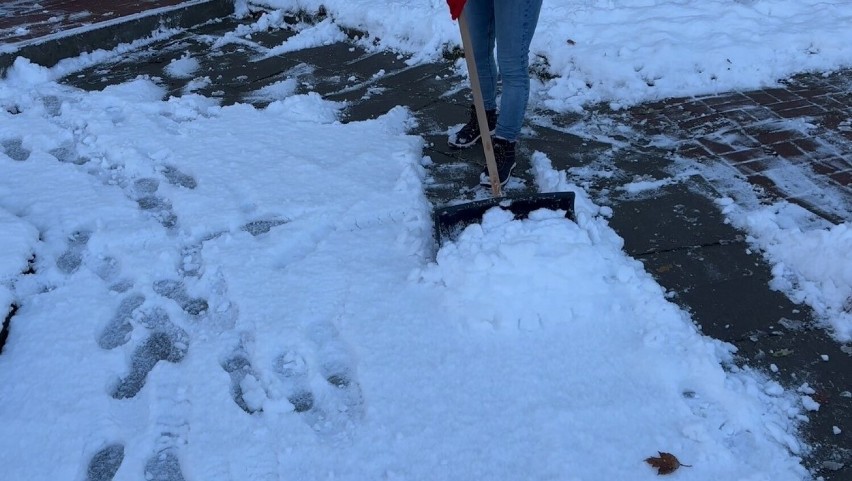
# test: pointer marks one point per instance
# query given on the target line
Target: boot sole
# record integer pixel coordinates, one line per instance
(487, 182)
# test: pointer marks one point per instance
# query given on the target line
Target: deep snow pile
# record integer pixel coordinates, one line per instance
(240, 293)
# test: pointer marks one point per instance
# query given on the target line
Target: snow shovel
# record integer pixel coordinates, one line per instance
(450, 220)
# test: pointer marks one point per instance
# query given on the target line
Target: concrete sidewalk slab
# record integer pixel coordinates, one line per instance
(794, 141)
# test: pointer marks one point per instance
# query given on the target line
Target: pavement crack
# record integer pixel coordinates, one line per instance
(719, 243)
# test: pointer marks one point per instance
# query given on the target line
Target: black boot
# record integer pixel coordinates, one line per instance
(504, 154)
(469, 133)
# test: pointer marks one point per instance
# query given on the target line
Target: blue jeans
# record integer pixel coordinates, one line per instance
(511, 23)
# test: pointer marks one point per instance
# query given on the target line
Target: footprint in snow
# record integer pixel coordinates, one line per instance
(178, 178)
(67, 154)
(292, 370)
(334, 403)
(176, 291)
(144, 186)
(160, 208)
(244, 382)
(117, 332)
(191, 262)
(238, 367)
(71, 259)
(167, 342)
(164, 466)
(52, 105)
(144, 190)
(259, 227)
(105, 463)
(340, 397)
(107, 268)
(15, 150)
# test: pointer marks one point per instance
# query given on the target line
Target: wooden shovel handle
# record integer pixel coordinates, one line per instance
(479, 104)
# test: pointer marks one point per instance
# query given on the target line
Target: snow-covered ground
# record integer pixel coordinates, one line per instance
(628, 51)
(205, 263)
(244, 293)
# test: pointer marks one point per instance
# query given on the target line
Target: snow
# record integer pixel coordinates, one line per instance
(200, 269)
(87, 59)
(254, 293)
(625, 52)
(325, 32)
(183, 67)
(275, 91)
(809, 403)
(15, 252)
(15, 244)
(812, 266)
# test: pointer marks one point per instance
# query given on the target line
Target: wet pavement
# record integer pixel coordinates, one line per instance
(27, 20)
(791, 142)
(50, 30)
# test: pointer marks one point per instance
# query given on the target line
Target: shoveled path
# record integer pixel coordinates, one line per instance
(790, 142)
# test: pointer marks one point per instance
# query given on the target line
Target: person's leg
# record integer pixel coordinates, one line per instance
(480, 18)
(515, 23)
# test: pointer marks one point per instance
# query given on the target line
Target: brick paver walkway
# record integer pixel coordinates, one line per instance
(806, 124)
(26, 19)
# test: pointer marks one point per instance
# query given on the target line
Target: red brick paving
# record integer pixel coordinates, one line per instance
(806, 122)
(25, 20)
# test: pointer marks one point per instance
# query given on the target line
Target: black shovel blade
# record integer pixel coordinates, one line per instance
(449, 221)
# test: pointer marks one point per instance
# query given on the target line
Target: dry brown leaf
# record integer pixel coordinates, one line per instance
(667, 463)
